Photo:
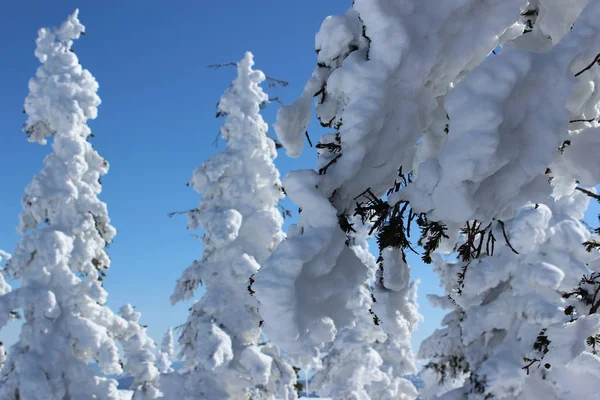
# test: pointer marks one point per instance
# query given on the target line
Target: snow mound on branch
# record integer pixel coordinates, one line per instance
(507, 118)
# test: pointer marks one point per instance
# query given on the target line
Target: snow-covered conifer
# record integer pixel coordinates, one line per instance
(4, 289)
(240, 190)
(164, 358)
(60, 261)
(512, 335)
(138, 350)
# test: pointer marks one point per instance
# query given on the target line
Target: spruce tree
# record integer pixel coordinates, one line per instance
(60, 261)
(240, 190)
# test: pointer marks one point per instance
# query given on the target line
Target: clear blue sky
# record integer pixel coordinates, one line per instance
(157, 121)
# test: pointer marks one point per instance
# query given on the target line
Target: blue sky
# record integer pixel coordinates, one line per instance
(157, 122)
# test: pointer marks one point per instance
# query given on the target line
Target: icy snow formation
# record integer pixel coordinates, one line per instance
(508, 302)
(240, 190)
(60, 260)
(507, 118)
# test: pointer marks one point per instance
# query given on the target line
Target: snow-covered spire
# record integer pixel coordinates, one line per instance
(60, 261)
(240, 190)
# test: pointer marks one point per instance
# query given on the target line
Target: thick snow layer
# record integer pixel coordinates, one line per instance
(502, 137)
(301, 307)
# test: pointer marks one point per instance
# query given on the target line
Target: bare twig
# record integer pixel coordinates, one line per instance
(273, 82)
(276, 99)
(216, 141)
(582, 120)
(229, 64)
(308, 138)
(323, 170)
(590, 194)
(596, 61)
(531, 363)
(174, 213)
(506, 236)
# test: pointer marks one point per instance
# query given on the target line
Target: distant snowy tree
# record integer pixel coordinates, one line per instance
(431, 131)
(240, 190)
(60, 261)
(140, 363)
(4, 289)
(166, 353)
(513, 335)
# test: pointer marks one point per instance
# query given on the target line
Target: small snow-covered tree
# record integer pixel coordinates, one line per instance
(512, 334)
(60, 261)
(240, 190)
(4, 313)
(165, 355)
(140, 363)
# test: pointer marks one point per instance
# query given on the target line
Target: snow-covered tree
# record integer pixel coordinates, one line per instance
(240, 190)
(140, 363)
(512, 334)
(60, 260)
(416, 86)
(4, 289)
(371, 359)
(164, 358)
